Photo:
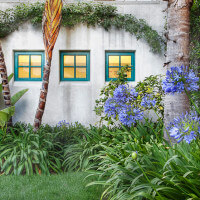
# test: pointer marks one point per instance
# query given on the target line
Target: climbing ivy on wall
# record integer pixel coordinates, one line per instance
(195, 35)
(195, 43)
(91, 14)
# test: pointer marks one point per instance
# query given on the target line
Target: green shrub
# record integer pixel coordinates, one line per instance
(67, 132)
(79, 156)
(24, 152)
(158, 172)
(151, 85)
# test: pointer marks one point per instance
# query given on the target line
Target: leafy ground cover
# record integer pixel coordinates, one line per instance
(69, 186)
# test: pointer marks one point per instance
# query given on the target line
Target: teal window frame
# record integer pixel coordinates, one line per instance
(75, 53)
(30, 53)
(132, 54)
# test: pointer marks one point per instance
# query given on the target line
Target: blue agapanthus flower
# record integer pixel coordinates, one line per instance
(121, 105)
(128, 115)
(120, 93)
(62, 124)
(110, 107)
(124, 94)
(180, 78)
(148, 102)
(186, 127)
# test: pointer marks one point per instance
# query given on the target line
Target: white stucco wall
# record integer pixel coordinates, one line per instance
(75, 101)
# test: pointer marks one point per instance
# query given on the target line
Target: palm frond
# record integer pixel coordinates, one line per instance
(51, 25)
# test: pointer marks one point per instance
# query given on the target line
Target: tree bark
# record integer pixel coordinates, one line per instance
(178, 28)
(51, 27)
(5, 84)
(4, 77)
(43, 97)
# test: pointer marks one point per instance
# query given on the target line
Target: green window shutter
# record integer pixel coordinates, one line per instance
(115, 60)
(75, 66)
(28, 65)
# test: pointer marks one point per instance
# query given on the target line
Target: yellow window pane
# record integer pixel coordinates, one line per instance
(23, 72)
(23, 60)
(68, 72)
(36, 60)
(80, 60)
(80, 72)
(36, 72)
(113, 72)
(68, 60)
(125, 60)
(113, 60)
(129, 73)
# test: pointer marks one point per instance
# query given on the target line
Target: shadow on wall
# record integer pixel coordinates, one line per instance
(67, 104)
(20, 108)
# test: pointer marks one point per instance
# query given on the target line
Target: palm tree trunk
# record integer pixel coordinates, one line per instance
(178, 28)
(5, 84)
(4, 77)
(43, 96)
(51, 28)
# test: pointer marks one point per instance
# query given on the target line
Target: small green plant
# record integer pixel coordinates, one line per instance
(152, 85)
(5, 115)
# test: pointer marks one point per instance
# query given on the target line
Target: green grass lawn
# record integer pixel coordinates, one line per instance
(70, 186)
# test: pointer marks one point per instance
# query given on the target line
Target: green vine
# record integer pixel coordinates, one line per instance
(91, 14)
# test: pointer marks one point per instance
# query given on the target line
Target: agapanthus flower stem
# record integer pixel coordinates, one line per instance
(156, 114)
(164, 127)
(168, 135)
(146, 119)
(148, 179)
(191, 100)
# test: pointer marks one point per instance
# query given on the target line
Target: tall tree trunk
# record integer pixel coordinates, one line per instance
(51, 28)
(178, 25)
(5, 84)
